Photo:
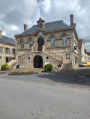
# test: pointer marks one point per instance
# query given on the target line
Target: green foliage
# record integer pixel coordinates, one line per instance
(22, 72)
(4, 67)
(48, 67)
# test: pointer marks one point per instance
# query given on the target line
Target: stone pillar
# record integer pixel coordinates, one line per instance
(32, 49)
(43, 48)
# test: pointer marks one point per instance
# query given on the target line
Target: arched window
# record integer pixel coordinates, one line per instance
(30, 43)
(64, 40)
(22, 44)
(52, 42)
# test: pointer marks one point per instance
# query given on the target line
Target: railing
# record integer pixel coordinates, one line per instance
(22, 57)
(54, 55)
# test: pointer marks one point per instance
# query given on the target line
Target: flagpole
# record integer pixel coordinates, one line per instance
(39, 1)
(40, 8)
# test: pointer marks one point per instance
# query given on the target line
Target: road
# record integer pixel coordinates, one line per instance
(21, 99)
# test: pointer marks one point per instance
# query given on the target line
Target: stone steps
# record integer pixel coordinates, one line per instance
(54, 55)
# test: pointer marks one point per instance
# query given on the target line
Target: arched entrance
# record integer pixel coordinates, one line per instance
(38, 62)
(40, 43)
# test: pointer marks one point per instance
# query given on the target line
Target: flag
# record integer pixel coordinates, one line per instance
(39, 30)
(75, 47)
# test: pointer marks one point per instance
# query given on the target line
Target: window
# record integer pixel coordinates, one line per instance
(22, 44)
(29, 58)
(13, 51)
(7, 50)
(30, 43)
(2, 50)
(67, 56)
(64, 41)
(52, 42)
(47, 57)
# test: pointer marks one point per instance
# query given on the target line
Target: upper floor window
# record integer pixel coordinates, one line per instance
(13, 51)
(52, 42)
(22, 44)
(64, 41)
(2, 50)
(7, 50)
(30, 43)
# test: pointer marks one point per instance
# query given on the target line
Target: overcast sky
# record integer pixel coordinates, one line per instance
(15, 13)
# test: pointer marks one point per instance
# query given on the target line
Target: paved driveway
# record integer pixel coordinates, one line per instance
(54, 78)
(21, 99)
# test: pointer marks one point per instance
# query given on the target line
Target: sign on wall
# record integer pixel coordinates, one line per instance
(46, 63)
(75, 47)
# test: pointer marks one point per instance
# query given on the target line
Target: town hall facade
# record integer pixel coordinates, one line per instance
(53, 43)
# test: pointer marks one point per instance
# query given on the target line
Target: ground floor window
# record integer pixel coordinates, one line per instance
(76, 60)
(6, 59)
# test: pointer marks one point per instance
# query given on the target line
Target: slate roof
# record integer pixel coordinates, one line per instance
(7, 40)
(57, 25)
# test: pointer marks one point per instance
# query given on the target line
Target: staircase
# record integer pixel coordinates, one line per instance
(26, 54)
(54, 55)
(19, 60)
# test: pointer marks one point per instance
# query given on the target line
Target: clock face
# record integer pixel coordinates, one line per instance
(40, 33)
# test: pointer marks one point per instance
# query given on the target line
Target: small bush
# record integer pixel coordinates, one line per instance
(48, 67)
(4, 67)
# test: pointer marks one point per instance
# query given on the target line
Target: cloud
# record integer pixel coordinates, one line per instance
(61, 10)
(87, 46)
(15, 13)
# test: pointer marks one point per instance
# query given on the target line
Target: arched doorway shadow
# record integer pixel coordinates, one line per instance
(38, 62)
(40, 43)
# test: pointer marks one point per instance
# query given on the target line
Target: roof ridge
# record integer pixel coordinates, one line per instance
(50, 22)
(54, 21)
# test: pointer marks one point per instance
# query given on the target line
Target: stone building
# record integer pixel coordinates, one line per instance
(7, 49)
(82, 54)
(54, 42)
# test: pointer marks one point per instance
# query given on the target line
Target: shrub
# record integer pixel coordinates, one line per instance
(48, 67)
(4, 66)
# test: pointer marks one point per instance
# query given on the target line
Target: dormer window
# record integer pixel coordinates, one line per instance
(30, 43)
(52, 42)
(64, 40)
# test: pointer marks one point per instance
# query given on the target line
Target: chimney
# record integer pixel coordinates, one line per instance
(0, 33)
(25, 27)
(74, 24)
(71, 19)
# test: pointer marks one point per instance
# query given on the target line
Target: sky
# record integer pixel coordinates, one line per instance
(15, 13)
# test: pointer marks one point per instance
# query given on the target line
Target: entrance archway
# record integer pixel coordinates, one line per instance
(38, 62)
(40, 43)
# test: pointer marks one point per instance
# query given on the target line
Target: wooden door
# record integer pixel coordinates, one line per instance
(40, 43)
